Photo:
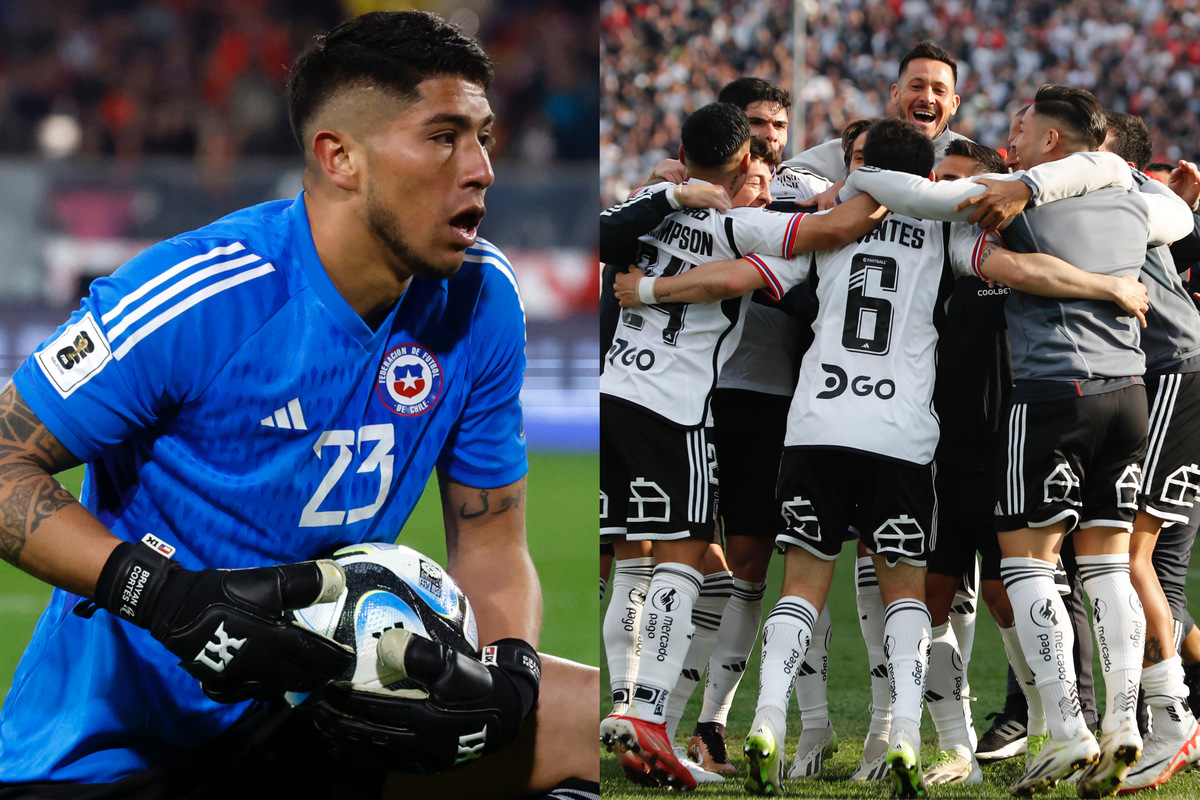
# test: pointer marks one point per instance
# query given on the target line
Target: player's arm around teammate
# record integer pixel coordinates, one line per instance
(724, 279)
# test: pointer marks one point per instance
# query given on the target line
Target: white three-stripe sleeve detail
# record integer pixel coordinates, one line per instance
(192, 300)
(487, 256)
(164, 296)
(149, 286)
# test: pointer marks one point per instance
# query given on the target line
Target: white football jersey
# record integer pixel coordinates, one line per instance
(867, 381)
(666, 357)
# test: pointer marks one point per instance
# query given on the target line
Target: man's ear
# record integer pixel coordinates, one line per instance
(745, 166)
(339, 157)
(682, 156)
(1053, 137)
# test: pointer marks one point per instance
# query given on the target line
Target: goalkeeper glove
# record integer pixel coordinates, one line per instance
(467, 708)
(228, 627)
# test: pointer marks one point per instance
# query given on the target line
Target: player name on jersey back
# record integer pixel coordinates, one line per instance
(666, 357)
(867, 381)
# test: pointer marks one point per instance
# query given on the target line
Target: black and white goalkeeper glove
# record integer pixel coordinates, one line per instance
(229, 628)
(468, 707)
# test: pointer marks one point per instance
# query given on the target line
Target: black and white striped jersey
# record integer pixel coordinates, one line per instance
(666, 357)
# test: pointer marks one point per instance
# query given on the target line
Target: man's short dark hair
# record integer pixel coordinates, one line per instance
(854, 128)
(743, 92)
(931, 51)
(898, 145)
(1131, 138)
(986, 159)
(713, 134)
(393, 50)
(1076, 113)
(761, 150)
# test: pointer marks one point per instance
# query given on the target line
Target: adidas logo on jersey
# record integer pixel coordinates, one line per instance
(290, 417)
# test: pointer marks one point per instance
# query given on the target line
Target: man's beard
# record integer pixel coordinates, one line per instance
(383, 224)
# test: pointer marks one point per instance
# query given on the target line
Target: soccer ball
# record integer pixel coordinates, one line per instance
(391, 586)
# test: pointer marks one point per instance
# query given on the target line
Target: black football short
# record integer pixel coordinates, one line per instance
(748, 430)
(657, 481)
(965, 524)
(1076, 460)
(1171, 471)
(823, 493)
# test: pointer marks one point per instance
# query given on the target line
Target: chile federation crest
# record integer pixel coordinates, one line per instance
(409, 380)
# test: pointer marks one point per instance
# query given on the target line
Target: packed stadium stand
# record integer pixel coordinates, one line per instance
(1139, 56)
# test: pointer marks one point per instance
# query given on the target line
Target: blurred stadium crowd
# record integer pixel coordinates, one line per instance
(660, 60)
(203, 78)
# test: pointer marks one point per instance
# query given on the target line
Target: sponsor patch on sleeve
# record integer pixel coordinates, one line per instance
(78, 353)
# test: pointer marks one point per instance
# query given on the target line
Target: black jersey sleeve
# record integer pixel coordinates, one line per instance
(1186, 251)
(621, 225)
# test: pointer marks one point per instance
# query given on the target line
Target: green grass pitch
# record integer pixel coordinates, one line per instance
(561, 523)
(849, 695)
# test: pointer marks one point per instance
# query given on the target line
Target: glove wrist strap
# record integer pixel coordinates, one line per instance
(520, 661)
(131, 580)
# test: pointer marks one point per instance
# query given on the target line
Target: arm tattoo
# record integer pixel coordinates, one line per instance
(1154, 650)
(988, 249)
(506, 503)
(29, 456)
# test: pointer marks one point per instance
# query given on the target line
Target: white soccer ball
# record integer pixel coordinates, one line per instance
(390, 586)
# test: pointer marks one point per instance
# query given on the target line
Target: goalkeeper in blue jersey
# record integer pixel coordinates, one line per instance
(254, 394)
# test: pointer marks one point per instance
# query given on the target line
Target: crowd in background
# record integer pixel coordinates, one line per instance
(203, 78)
(662, 59)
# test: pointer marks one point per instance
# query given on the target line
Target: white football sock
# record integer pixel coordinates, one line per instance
(735, 642)
(812, 697)
(870, 621)
(906, 637)
(1120, 628)
(622, 625)
(943, 690)
(786, 636)
(706, 616)
(1166, 695)
(603, 586)
(963, 614)
(1035, 722)
(666, 635)
(1046, 638)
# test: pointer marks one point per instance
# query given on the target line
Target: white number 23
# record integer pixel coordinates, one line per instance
(379, 458)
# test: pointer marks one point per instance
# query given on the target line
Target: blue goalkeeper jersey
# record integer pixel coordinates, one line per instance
(228, 400)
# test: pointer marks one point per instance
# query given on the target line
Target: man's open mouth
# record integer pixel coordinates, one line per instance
(467, 221)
